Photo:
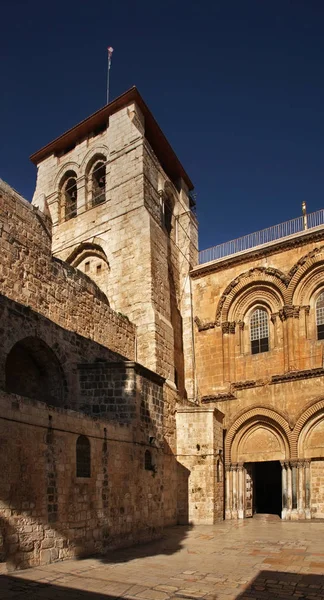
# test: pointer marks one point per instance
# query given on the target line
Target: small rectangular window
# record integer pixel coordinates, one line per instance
(87, 267)
(98, 269)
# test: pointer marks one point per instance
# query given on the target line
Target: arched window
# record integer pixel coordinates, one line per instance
(83, 457)
(148, 461)
(259, 331)
(69, 195)
(320, 316)
(98, 183)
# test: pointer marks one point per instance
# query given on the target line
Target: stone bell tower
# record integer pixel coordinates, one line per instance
(122, 214)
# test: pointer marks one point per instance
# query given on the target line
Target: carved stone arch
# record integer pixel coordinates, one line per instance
(300, 271)
(252, 296)
(91, 259)
(264, 276)
(309, 283)
(84, 250)
(257, 415)
(246, 443)
(315, 410)
(68, 166)
(91, 154)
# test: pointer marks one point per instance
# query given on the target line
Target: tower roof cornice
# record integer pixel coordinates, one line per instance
(153, 133)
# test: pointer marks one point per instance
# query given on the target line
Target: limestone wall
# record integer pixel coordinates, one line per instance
(142, 267)
(286, 282)
(317, 488)
(47, 512)
(30, 276)
(200, 451)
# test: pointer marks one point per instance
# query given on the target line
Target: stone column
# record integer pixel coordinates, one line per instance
(82, 192)
(308, 514)
(235, 490)
(241, 481)
(289, 490)
(301, 489)
(294, 491)
(228, 503)
(284, 489)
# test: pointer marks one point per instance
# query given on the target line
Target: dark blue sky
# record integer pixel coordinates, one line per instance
(236, 85)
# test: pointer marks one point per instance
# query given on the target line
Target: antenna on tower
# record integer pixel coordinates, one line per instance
(110, 51)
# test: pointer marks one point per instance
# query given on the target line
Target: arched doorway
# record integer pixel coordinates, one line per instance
(257, 449)
(33, 370)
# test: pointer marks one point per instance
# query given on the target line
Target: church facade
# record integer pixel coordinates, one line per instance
(144, 384)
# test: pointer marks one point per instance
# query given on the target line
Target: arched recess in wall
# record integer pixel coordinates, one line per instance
(96, 177)
(259, 434)
(259, 281)
(33, 370)
(92, 260)
(306, 285)
(308, 434)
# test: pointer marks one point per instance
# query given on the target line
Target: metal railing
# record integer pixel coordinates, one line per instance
(276, 232)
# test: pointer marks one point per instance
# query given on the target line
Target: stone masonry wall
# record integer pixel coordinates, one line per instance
(29, 275)
(200, 450)
(317, 491)
(47, 512)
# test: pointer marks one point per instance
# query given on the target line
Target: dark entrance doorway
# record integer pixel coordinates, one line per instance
(267, 488)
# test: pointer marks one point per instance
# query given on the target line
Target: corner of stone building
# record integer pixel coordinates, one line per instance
(200, 451)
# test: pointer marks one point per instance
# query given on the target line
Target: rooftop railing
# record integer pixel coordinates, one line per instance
(271, 234)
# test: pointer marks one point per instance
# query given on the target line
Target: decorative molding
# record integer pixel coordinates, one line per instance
(295, 375)
(257, 414)
(218, 397)
(242, 385)
(289, 311)
(228, 327)
(239, 282)
(204, 325)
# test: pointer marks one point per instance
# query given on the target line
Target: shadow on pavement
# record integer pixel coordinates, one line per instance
(169, 543)
(267, 585)
(280, 584)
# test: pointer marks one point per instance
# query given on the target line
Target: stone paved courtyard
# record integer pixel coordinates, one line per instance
(232, 560)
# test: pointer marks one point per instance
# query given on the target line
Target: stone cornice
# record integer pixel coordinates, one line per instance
(295, 375)
(221, 397)
(301, 239)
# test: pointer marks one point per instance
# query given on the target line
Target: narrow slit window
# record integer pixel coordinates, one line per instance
(148, 461)
(259, 331)
(83, 457)
(320, 316)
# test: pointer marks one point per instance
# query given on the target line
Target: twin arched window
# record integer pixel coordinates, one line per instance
(320, 316)
(259, 331)
(95, 188)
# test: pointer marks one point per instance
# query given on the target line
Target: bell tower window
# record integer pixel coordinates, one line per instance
(98, 181)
